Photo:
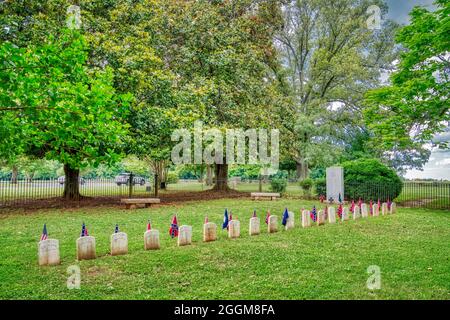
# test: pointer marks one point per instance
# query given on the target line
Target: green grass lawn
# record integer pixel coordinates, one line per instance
(412, 249)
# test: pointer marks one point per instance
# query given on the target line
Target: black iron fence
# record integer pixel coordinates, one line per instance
(435, 195)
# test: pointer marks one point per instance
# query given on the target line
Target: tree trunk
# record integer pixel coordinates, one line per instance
(302, 170)
(14, 174)
(221, 172)
(71, 183)
(209, 175)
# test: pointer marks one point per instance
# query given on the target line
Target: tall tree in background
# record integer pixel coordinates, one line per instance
(332, 59)
(415, 106)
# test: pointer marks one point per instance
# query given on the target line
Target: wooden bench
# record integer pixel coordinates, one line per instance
(144, 202)
(264, 195)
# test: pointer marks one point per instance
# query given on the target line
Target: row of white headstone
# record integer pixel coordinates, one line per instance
(49, 249)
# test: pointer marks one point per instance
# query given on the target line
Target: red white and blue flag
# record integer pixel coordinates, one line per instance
(389, 204)
(173, 231)
(352, 207)
(339, 211)
(313, 214)
(116, 230)
(254, 214)
(44, 235)
(84, 231)
(285, 217)
(225, 220)
(267, 217)
(371, 207)
(379, 205)
(206, 220)
(149, 225)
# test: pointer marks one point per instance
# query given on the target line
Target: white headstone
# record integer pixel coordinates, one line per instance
(272, 226)
(48, 252)
(254, 228)
(151, 240)
(364, 210)
(290, 222)
(376, 211)
(356, 213)
(209, 232)
(331, 215)
(185, 236)
(86, 248)
(234, 229)
(119, 243)
(306, 219)
(335, 183)
(345, 214)
(384, 209)
(393, 208)
(320, 218)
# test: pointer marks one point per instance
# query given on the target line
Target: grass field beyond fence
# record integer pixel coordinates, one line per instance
(411, 248)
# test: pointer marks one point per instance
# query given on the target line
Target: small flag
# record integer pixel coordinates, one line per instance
(231, 215)
(389, 204)
(285, 217)
(339, 211)
(84, 232)
(206, 220)
(313, 214)
(173, 231)
(340, 198)
(322, 198)
(267, 217)
(379, 205)
(44, 235)
(225, 220)
(352, 207)
(116, 230)
(254, 214)
(149, 225)
(371, 207)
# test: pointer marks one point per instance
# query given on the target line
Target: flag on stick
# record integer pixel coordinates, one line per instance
(149, 225)
(116, 230)
(285, 217)
(206, 220)
(352, 207)
(339, 211)
(225, 220)
(44, 235)
(313, 214)
(254, 214)
(84, 231)
(267, 217)
(173, 231)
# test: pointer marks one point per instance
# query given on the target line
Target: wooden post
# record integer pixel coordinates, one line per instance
(260, 183)
(156, 185)
(130, 186)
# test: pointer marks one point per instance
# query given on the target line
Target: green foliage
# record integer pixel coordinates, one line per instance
(306, 185)
(320, 186)
(415, 106)
(246, 172)
(370, 179)
(172, 177)
(278, 185)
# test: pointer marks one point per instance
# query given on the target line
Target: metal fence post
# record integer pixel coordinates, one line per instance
(130, 187)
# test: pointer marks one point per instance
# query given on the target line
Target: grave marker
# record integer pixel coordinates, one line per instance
(364, 210)
(345, 214)
(48, 252)
(119, 243)
(185, 236)
(290, 222)
(234, 229)
(306, 219)
(151, 240)
(86, 248)
(209, 232)
(254, 226)
(356, 213)
(384, 209)
(320, 218)
(331, 215)
(335, 183)
(272, 226)
(393, 208)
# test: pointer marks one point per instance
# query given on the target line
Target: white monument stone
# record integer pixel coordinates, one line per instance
(272, 226)
(384, 209)
(151, 240)
(185, 236)
(254, 227)
(86, 248)
(345, 214)
(119, 243)
(234, 229)
(356, 213)
(393, 208)
(209, 232)
(331, 215)
(320, 218)
(376, 211)
(335, 183)
(306, 219)
(48, 251)
(364, 210)
(290, 222)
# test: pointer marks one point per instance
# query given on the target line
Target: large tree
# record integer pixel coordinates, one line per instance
(332, 58)
(68, 112)
(415, 106)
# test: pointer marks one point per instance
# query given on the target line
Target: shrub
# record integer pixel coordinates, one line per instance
(306, 185)
(172, 177)
(278, 185)
(369, 179)
(320, 185)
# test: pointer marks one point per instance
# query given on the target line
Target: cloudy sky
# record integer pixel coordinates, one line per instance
(438, 166)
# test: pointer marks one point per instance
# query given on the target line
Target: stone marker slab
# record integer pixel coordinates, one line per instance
(254, 226)
(185, 236)
(384, 209)
(320, 218)
(345, 214)
(209, 232)
(290, 222)
(151, 240)
(356, 213)
(48, 252)
(364, 210)
(335, 183)
(86, 248)
(119, 243)
(393, 208)
(375, 211)
(306, 219)
(234, 229)
(331, 215)
(272, 226)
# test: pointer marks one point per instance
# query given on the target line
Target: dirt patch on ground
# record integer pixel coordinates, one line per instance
(167, 198)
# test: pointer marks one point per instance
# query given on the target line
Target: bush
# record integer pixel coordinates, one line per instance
(172, 177)
(320, 185)
(369, 179)
(278, 185)
(306, 185)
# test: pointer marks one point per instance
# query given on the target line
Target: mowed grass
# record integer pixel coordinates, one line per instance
(411, 248)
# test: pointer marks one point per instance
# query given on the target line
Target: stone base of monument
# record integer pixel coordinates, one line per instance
(272, 226)
(151, 240)
(209, 232)
(234, 229)
(86, 248)
(48, 252)
(320, 218)
(254, 226)
(306, 219)
(185, 236)
(119, 243)
(331, 215)
(290, 222)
